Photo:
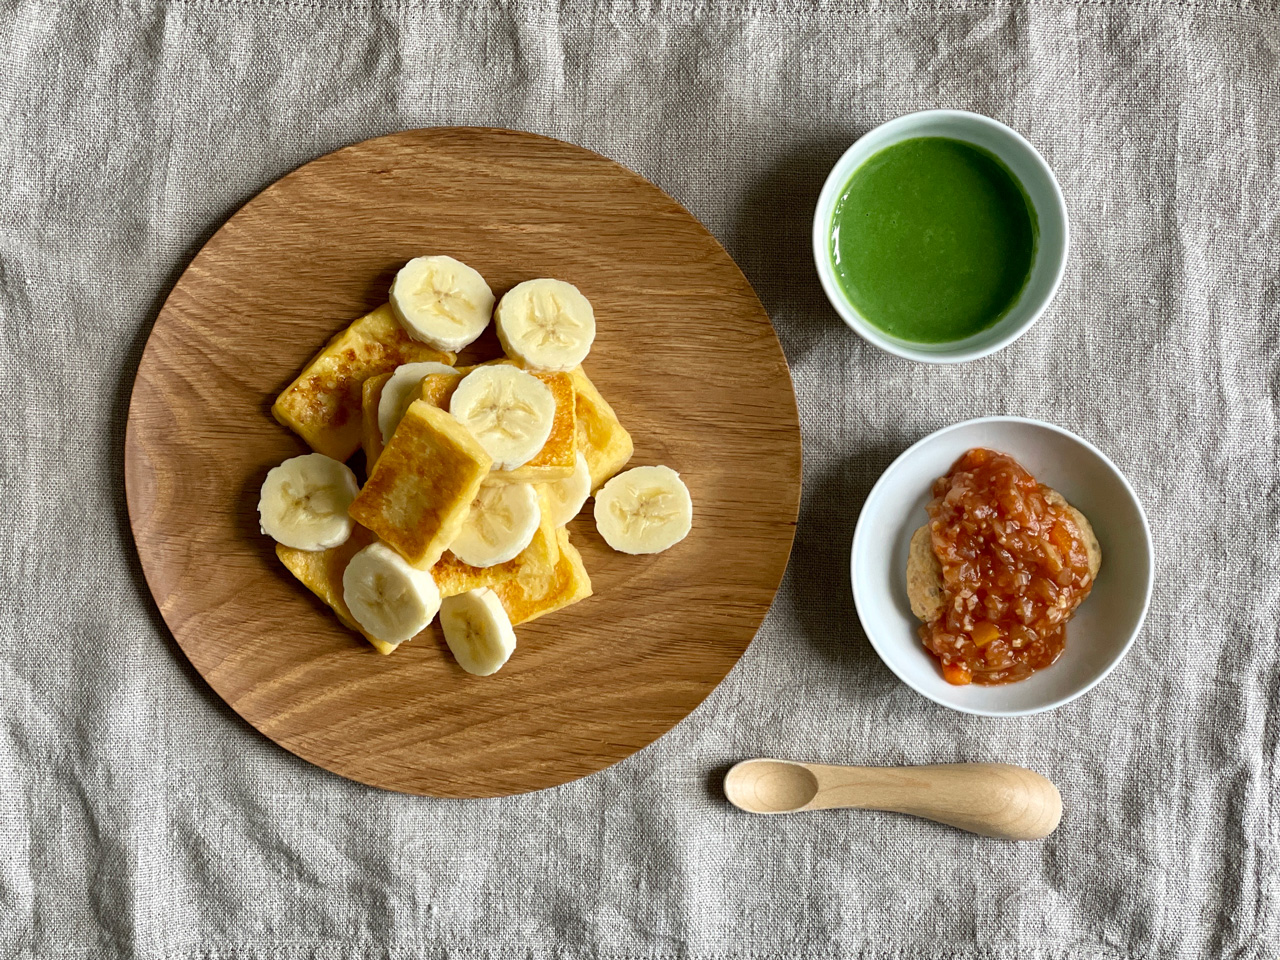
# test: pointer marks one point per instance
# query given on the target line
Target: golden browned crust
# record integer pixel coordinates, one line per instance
(603, 440)
(528, 597)
(437, 388)
(370, 431)
(538, 559)
(420, 490)
(323, 405)
(561, 449)
(556, 459)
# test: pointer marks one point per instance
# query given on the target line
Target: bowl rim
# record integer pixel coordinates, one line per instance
(1147, 591)
(902, 348)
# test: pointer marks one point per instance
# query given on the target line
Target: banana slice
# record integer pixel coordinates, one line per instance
(303, 503)
(441, 301)
(401, 390)
(546, 324)
(568, 495)
(391, 600)
(508, 410)
(478, 631)
(644, 510)
(502, 522)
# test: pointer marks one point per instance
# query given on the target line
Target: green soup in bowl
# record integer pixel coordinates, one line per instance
(941, 236)
(932, 239)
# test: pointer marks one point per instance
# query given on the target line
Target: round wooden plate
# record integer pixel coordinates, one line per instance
(685, 353)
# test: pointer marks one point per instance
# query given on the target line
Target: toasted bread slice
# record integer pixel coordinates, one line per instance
(543, 553)
(320, 571)
(420, 490)
(538, 559)
(437, 388)
(370, 432)
(556, 458)
(601, 437)
(323, 405)
(924, 572)
(528, 596)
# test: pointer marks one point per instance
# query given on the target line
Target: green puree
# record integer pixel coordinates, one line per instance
(932, 239)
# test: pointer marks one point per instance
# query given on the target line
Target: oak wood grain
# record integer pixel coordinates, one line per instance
(685, 353)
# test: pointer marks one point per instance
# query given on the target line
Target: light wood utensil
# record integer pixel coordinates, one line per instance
(991, 799)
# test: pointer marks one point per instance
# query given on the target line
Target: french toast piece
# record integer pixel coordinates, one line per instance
(437, 388)
(543, 553)
(538, 559)
(528, 597)
(323, 405)
(601, 436)
(320, 571)
(420, 490)
(556, 458)
(370, 432)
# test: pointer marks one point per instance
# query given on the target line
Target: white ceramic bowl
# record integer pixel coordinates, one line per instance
(1048, 264)
(1103, 628)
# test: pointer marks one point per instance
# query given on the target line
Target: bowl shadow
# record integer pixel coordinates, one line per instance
(818, 578)
(771, 242)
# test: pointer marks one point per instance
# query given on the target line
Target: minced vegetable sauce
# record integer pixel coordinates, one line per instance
(1014, 570)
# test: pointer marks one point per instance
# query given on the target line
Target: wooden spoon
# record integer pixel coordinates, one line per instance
(991, 799)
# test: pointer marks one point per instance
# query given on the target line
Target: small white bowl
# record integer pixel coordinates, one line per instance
(1022, 160)
(1103, 628)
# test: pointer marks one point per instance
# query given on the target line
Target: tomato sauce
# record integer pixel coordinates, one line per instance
(1014, 570)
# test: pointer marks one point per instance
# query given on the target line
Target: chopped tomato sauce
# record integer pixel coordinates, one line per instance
(1014, 570)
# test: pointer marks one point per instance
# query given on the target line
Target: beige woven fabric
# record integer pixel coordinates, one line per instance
(140, 817)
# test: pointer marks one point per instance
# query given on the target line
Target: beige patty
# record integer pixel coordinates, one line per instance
(924, 573)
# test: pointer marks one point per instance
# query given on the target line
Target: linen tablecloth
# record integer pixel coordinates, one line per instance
(140, 817)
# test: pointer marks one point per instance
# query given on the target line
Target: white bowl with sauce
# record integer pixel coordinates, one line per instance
(1107, 622)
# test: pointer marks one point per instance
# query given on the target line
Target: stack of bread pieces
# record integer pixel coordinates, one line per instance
(472, 472)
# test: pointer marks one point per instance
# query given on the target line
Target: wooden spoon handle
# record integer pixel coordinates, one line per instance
(991, 799)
